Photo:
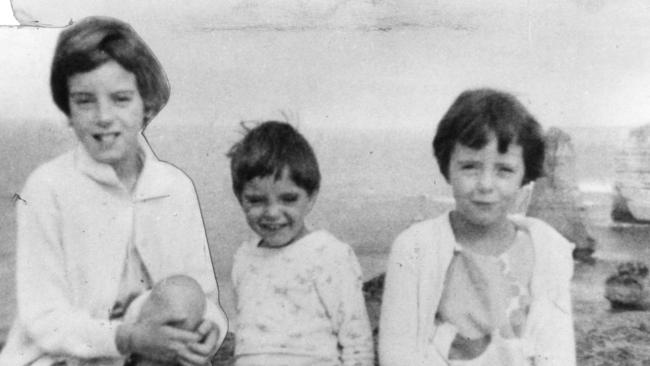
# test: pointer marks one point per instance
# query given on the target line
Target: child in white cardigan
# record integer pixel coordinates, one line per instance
(100, 225)
(299, 298)
(476, 286)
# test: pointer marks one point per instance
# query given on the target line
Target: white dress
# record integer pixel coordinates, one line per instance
(482, 280)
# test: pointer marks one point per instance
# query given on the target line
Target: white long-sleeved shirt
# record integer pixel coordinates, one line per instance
(417, 266)
(75, 221)
(297, 304)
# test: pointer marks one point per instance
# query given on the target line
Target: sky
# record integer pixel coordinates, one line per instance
(382, 64)
(6, 14)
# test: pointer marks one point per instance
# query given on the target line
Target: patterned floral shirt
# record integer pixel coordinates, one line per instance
(301, 304)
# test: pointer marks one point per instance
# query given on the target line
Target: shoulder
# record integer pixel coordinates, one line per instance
(423, 234)
(245, 249)
(51, 174)
(553, 251)
(329, 257)
(324, 245)
(419, 230)
(243, 255)
(168, 177)
(544, 235)
(172, 172)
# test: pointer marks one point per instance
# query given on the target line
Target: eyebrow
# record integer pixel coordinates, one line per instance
(75, 93)
(465, 161)
(83, 91)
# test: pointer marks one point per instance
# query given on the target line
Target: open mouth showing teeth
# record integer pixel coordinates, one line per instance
(105, 137)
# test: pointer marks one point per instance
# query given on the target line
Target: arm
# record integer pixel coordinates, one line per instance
(555, 340)
(43, 290)
(340, 289)
(398, 325)
(199, 262)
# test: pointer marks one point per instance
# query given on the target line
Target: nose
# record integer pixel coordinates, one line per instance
(272, 211)
(485, 181)
(104, 113)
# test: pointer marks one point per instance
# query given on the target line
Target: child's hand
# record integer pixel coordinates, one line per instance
(201, 353)
(153, 341)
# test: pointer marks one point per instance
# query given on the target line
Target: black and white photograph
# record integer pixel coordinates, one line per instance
(326, 183)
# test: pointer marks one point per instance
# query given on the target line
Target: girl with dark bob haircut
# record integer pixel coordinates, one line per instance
(112, 261)
(477, 113)
(93, 41)
(477, 285)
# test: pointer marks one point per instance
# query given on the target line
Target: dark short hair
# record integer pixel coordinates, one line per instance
(93, 41)
(268, 149)
(477, 113)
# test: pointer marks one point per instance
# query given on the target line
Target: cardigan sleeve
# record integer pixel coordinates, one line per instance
(340, 289)
(555, 338)
(403, 337)
(43, 291)
(398, 327)
(198, 263)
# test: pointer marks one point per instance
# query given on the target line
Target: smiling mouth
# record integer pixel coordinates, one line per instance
(273, 227)
(105, 138)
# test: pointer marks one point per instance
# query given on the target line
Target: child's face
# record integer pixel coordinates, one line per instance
(276, 209)
(106, 112)
(485, 182)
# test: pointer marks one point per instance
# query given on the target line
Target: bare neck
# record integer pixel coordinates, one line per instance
(492, 239)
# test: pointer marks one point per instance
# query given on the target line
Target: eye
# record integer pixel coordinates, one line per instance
(82, 99)
(505, 171)
(123, 98)
(468, 166)
(254, 199)
(290, 198)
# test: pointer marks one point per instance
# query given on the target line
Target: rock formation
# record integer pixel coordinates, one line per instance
(555, 197)
(632, 182)
(627, 289)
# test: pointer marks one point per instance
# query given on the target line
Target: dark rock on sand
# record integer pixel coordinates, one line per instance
(627, 289)
(555, 196)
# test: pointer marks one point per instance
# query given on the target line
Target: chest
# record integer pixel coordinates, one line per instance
(97, 224)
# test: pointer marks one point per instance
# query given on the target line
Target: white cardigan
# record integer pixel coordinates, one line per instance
(414, 282)
(75, 221)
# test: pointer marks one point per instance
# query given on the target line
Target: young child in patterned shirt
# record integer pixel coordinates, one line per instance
(298, 291)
